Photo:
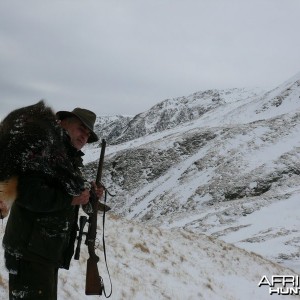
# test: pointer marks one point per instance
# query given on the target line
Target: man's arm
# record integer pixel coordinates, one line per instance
(38, 194)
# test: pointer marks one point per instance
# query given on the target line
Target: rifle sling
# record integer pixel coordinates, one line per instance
(104, 250)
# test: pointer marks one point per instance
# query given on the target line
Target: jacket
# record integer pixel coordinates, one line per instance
(42, 224)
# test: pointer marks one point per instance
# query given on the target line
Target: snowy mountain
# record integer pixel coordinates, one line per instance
(212, 174)
(207, 192)
(170, 113)
(110, 127)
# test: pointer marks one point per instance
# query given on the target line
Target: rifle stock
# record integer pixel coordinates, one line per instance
(93, 284)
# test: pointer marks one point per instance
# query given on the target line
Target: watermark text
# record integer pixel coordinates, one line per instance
(282, 284)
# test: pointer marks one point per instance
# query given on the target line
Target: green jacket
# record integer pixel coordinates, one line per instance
(42, 224)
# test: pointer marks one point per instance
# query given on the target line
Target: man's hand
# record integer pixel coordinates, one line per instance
(99, 190)
(82, 199)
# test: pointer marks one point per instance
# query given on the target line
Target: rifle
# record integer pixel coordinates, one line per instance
(94, 282)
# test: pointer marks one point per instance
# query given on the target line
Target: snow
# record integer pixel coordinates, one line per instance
(152, 263)
(279, 217)
(172, 259)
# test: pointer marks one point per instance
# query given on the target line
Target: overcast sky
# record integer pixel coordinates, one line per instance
(123, 57)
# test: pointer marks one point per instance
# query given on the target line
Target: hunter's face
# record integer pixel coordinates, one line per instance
(78, 133)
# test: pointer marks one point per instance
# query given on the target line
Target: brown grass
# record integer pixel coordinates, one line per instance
(142, 247)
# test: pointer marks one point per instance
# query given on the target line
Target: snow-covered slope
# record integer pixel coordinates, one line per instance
(213, 107)
(170, 113)
(110, 127)
(216, 173)
(146, 262)
(194, 177)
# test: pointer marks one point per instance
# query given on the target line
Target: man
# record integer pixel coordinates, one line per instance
(42, 226)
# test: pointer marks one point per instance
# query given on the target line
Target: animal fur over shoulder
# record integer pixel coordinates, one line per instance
(8, 194)
(31, 140)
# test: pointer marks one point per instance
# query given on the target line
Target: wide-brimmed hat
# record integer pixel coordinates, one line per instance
(87, 117)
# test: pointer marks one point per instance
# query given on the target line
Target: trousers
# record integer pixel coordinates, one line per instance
(33, 280)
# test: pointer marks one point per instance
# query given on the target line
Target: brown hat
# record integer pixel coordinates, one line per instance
(87, 117)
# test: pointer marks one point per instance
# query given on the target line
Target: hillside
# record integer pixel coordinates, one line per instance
(147, 262)
(207, 192)
(218, 173)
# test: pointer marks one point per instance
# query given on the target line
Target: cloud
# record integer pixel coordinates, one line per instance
(123, 57)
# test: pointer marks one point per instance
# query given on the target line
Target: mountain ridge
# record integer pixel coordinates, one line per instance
(208, 173)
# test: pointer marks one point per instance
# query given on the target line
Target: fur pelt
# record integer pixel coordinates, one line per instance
(8, 194)
(32, 141)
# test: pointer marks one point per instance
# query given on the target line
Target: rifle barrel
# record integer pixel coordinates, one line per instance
(101, 161)
(94, 284)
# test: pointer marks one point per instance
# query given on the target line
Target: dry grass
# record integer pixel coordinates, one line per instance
(142, 247)
(3, 283)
